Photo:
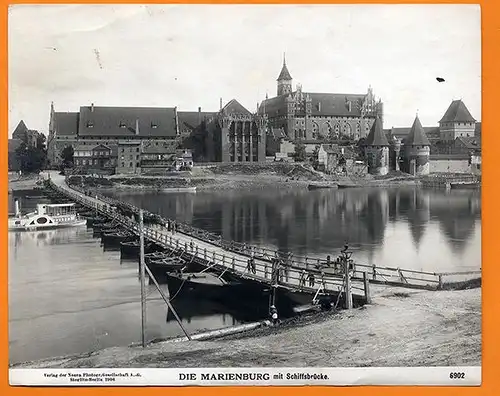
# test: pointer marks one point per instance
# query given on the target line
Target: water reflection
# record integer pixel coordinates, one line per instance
(374, 221)
(67, 296)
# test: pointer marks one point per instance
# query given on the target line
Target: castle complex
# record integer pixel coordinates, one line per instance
(138, 139)
(310, 116)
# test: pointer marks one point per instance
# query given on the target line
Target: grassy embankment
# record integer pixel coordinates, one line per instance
(247, 176)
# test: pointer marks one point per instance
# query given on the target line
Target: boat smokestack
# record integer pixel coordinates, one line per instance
(16, 205)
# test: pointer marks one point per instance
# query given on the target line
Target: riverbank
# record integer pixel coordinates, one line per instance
(18, 183)
(245, 177)
(401, 328)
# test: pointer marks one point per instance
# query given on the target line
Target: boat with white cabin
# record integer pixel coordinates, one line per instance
(46, 216)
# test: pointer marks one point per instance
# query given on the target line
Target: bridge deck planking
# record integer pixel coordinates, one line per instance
(216, 255)
(378, 276)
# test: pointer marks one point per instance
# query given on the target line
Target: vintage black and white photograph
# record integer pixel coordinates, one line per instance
(244, 186)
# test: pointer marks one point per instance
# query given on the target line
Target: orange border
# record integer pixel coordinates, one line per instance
(490, 84)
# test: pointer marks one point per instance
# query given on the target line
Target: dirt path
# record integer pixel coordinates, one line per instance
(416, 329)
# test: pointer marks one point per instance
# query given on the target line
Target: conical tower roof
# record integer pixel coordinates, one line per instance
(376, 137)
(285, 74)
(417, 136)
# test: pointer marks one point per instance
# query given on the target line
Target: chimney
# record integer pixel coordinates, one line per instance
(92, 107)
(16, 205)
(319, 106)
(220, 103)
(349, 106)
(137, 127)
(199, 115)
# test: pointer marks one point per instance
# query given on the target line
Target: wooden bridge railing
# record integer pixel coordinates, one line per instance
(263, 272)
(311, 264)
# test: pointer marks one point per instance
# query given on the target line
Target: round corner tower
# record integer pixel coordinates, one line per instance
(377, 150)
(417, 149)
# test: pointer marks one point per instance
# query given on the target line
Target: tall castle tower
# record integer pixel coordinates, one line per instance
(284, 80)
(456, 122)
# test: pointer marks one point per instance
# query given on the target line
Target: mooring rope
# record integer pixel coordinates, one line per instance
(184, 280)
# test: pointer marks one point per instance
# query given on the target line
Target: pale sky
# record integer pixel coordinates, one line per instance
(192, 55)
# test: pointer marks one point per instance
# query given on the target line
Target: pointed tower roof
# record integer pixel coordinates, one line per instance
(457, 112)
(285, 74)
(417, 136)
(21, 128)
(376, 137)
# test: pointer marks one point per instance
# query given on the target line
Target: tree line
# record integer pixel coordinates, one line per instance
(32, 158)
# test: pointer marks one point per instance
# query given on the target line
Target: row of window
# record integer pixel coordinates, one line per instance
(137, 150)
(130, 157)
(451, 124)
(91, 162)
(131, 164)
(154, 125)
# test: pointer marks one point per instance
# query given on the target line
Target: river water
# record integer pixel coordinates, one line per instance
(425, 230)
(66, 295)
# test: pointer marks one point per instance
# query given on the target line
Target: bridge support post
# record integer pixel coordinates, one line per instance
(143, 279)
(348, 292)
(366, 285)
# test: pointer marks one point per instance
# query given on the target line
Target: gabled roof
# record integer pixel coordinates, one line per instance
(66, 124)
(233, 107)
(273, 106)
(20, 131)
(457, 112)
(284, 74)
(402, 133)
(471, 143)
(324, 104)
(190, 118)
(121, 121)
(101, 146)
(376, 137)
(331, 148)
(417, 136)
(83, 147)
(159, 148)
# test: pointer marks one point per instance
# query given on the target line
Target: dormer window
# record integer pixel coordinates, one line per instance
(122, 124)
(90, 124)
(153, 125)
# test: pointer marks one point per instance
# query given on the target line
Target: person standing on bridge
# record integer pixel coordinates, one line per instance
(302, 280)
(311, 279)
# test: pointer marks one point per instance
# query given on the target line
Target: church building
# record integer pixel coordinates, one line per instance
(312, 116)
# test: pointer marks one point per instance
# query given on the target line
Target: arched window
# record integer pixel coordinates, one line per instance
(315, 130)
(336, 131)
(357, 134)
(347, 130)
